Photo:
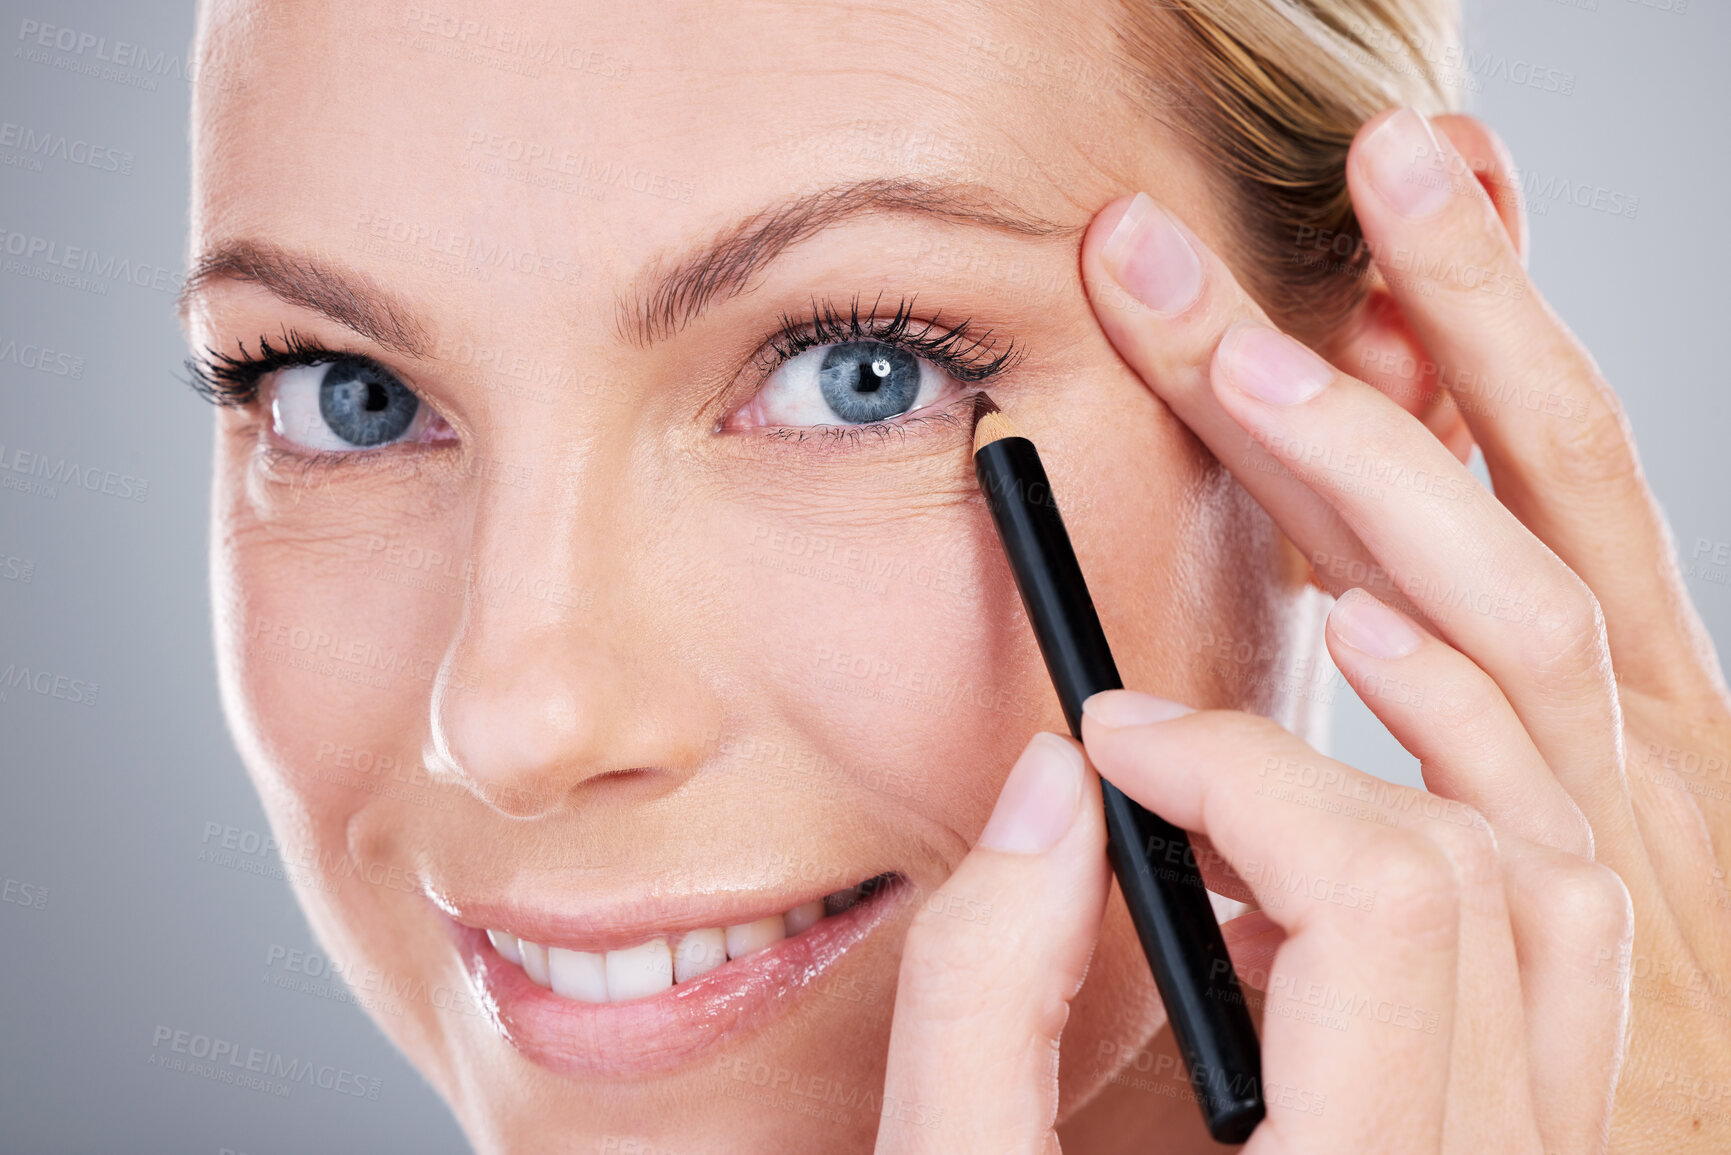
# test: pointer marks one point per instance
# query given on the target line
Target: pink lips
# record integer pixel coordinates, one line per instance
(671, 1028)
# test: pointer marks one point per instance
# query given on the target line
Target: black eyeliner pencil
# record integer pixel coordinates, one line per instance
(1168, 904)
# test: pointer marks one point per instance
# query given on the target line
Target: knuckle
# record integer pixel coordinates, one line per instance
(1418, 892)
(1594, 452)
(1586, 902)
(1470, 843)
(1566, 632)
(959, 972)
(1469, 711)
(1474, 261)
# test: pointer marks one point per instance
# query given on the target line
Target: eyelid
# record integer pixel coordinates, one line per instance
(249, 381)
(953, 349)
(966, 356)
(232, 381)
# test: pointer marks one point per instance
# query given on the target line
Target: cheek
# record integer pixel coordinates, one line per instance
(331, 649)
(331, 616)
(1179, 558)
(881, 633)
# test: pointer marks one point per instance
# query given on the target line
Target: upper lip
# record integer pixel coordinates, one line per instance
(588, 923)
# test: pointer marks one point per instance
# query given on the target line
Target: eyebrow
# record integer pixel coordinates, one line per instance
(350, 298)
(677, 290)
(729, 264)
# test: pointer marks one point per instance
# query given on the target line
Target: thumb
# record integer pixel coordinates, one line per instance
(991, 962)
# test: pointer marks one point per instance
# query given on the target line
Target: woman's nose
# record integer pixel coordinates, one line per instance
(559, 676)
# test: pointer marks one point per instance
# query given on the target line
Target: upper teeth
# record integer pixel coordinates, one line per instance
(651, 967)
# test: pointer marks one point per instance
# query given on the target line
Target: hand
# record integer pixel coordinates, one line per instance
(1425, 981)
(1560, 682)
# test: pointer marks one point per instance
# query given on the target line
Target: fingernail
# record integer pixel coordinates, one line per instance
(1119, 708)
(1401, 157)
(1149, 256)
(1272, 367)
(1039, 799)
(1366, 624)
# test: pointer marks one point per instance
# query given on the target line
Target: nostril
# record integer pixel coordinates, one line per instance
(630, 774)
(629, 782)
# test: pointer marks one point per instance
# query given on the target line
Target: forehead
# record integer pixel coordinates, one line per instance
(593, 135)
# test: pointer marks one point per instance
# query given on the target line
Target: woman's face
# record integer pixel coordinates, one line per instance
(545, 607)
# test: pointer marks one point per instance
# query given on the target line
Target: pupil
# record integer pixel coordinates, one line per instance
(364, 407)
(865, 381)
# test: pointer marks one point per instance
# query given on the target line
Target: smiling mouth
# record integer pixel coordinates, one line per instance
(649, 1002)
(668, 961)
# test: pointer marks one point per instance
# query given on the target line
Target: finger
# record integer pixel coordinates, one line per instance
(1364, 982)
(1573, 928)
(1554, 435)
(1391, 355)
(1488, 1103)
(1455, 720)
(1491, 589)
(1391, 359)
(1253, 940)
(1225, 888)
(1164, 299)
(1483, 1097)
(1490, 161)
(981, 1001)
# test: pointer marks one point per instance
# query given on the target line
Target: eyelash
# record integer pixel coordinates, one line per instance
(232, 381)
(969, 358)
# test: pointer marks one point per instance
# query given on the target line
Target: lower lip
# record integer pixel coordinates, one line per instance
(673, 1028)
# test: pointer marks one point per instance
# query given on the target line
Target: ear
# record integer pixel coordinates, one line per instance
(1378, 345)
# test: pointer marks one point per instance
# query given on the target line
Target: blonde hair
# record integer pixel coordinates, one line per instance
(1270, 93)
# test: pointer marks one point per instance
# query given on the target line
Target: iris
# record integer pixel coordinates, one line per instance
(363, 406)
(868, 380)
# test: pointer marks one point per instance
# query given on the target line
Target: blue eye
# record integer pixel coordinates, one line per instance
(364, 406)
(868, 381)
(850, 383)
(342, 405)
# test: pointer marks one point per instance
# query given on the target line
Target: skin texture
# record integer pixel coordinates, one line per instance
(622, 705)
(639, 682)
(1530, 956)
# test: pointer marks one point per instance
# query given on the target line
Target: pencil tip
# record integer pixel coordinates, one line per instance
(983, 405)
(990, 423)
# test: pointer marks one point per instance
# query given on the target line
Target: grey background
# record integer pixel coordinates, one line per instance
(106, 807)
